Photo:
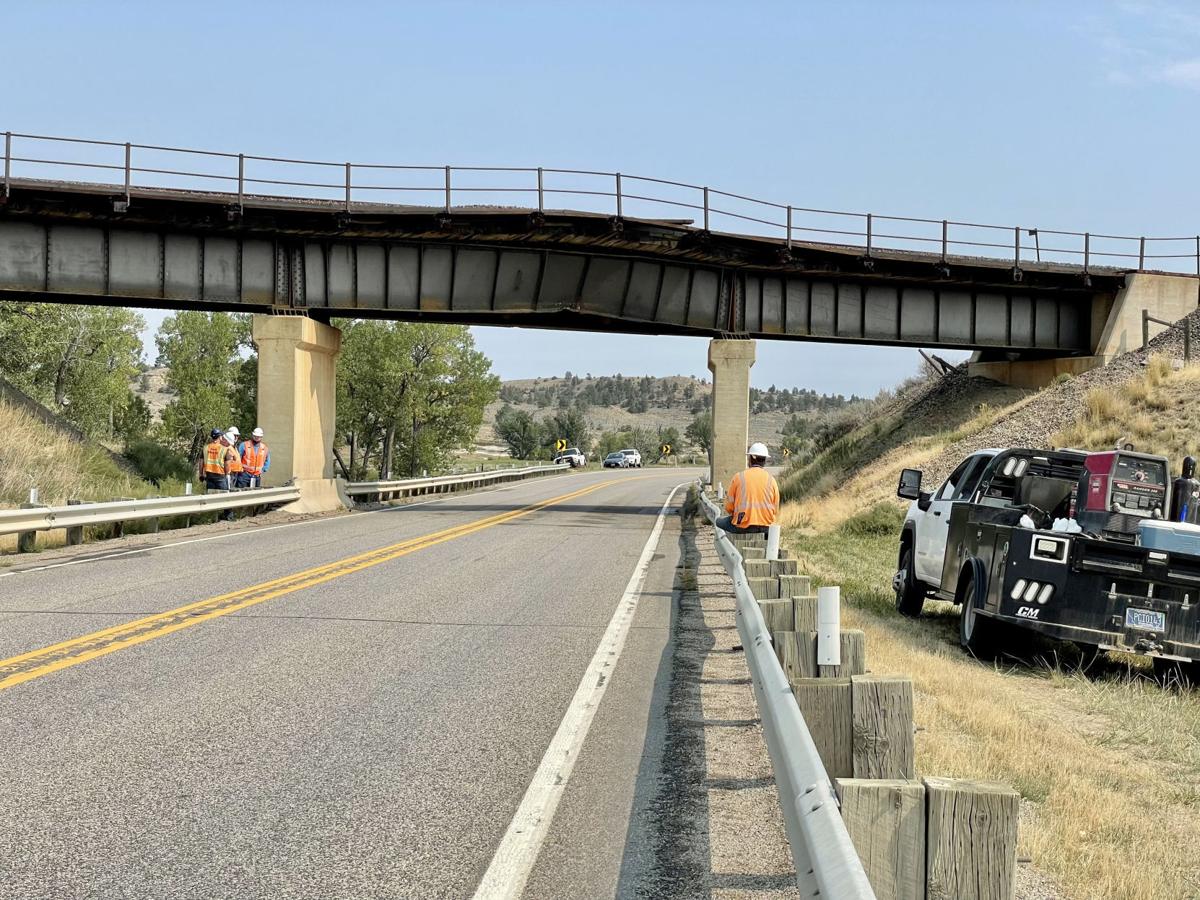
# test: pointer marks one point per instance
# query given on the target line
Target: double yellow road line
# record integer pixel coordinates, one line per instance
(19, 669)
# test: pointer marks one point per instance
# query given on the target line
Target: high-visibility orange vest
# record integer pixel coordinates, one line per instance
(254, 457)
(234, 461)
(214, 458)
(753, 498)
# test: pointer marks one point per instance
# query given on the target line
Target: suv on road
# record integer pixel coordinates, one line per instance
(572, 457)
(1068, 544)
(633, 458)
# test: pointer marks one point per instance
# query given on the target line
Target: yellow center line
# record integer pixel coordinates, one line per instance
(27, 666)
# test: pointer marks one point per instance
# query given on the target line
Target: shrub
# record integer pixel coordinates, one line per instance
(157, 463)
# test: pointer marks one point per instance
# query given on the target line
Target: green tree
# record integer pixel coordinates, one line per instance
(203, 352)
(410, 394)
(667, 435)
(519, 431)
(700, 433)
(570, 425)
(79, 360)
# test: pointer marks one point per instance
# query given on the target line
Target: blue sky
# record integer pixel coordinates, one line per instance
(1070, 115)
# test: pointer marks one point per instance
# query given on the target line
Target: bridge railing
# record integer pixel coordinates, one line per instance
(243, 179)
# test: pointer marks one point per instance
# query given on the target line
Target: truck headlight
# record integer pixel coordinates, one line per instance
(1018, 589)
(1046, 593)
(1031, 591)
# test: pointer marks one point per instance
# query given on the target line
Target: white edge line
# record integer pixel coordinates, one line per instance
(513, 862)
(242, 532)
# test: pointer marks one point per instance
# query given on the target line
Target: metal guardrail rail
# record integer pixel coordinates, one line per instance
(827, 865)
(127, 167)
(46, 518)
(408, 486)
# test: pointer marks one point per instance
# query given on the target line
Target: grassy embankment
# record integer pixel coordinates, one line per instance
(35, 455)
(1108, 762)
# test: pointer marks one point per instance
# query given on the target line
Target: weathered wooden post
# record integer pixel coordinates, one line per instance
(825, 704)
(75, 534)
(883, 727)
(886, 822)
(970, 840)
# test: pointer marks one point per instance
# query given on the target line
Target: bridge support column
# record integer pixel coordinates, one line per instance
(297, 397)
(730, 362)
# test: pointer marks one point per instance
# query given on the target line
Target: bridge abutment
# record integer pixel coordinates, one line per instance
(297, 405)
(730, 362)
(1116, 329)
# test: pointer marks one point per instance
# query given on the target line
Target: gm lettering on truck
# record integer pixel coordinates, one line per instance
(1028, 612)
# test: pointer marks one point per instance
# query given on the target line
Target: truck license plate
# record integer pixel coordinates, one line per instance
(1145, 620)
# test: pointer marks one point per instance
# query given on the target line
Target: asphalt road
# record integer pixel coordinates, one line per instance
(350, 707)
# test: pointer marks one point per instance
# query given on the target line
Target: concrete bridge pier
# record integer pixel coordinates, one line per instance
(730, 362)
(297, 405)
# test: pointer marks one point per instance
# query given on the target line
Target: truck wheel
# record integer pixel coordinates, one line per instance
(1172, 673)
(910, 593)
(976, 633)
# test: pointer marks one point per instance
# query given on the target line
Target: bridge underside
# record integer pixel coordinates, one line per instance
(505, 267)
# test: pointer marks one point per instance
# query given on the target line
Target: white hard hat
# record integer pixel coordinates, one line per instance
(233, 429)
(758, 449)
(257, 432)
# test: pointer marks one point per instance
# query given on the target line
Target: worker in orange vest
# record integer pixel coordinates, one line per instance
(214, 466)
(256, 459)
(753, 498)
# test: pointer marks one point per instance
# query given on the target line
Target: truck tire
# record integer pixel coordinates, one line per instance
(976, 633)
(910, 593)
(1172, 673)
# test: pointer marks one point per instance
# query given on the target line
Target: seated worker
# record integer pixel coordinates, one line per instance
(753, 499)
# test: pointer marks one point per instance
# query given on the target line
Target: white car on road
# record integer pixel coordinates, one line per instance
(633, 458)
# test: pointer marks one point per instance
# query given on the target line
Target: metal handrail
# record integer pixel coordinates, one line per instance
(408, 485)
(611, 189)
(45, 518)
(827, 865)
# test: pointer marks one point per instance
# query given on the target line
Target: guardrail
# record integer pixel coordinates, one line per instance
(32, 518)
(389, 490)
(126, 167)
(827, 865)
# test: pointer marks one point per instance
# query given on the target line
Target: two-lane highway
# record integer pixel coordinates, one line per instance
(349, 707)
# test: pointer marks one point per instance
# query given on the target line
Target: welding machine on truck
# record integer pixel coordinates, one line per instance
(1071, 545)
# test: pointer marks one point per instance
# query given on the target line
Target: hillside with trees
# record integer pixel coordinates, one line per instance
(610, 412)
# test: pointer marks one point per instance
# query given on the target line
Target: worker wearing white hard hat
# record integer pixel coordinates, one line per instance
(256, 459)
(753, 498)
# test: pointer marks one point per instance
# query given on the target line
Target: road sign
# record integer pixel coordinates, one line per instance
(787, 452)
(665, 449)
(560, 445)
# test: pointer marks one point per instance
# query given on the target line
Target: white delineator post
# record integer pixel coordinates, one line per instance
(773, 541)
(829, 626)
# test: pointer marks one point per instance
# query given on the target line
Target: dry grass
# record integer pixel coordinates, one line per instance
(1107, 762)
(1157, 412)
(35, 455)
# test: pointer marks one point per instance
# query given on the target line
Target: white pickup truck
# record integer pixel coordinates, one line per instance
(1068, 544)
(573, 457)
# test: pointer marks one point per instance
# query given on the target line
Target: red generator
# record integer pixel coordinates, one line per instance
(1118, 489)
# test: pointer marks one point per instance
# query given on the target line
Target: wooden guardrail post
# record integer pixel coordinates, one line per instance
(75, 535)
(970, 839)
(27, 540)
(883, 727)
(886, 822)
(825, 704)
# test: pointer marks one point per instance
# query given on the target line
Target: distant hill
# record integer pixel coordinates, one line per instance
(615, 402)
